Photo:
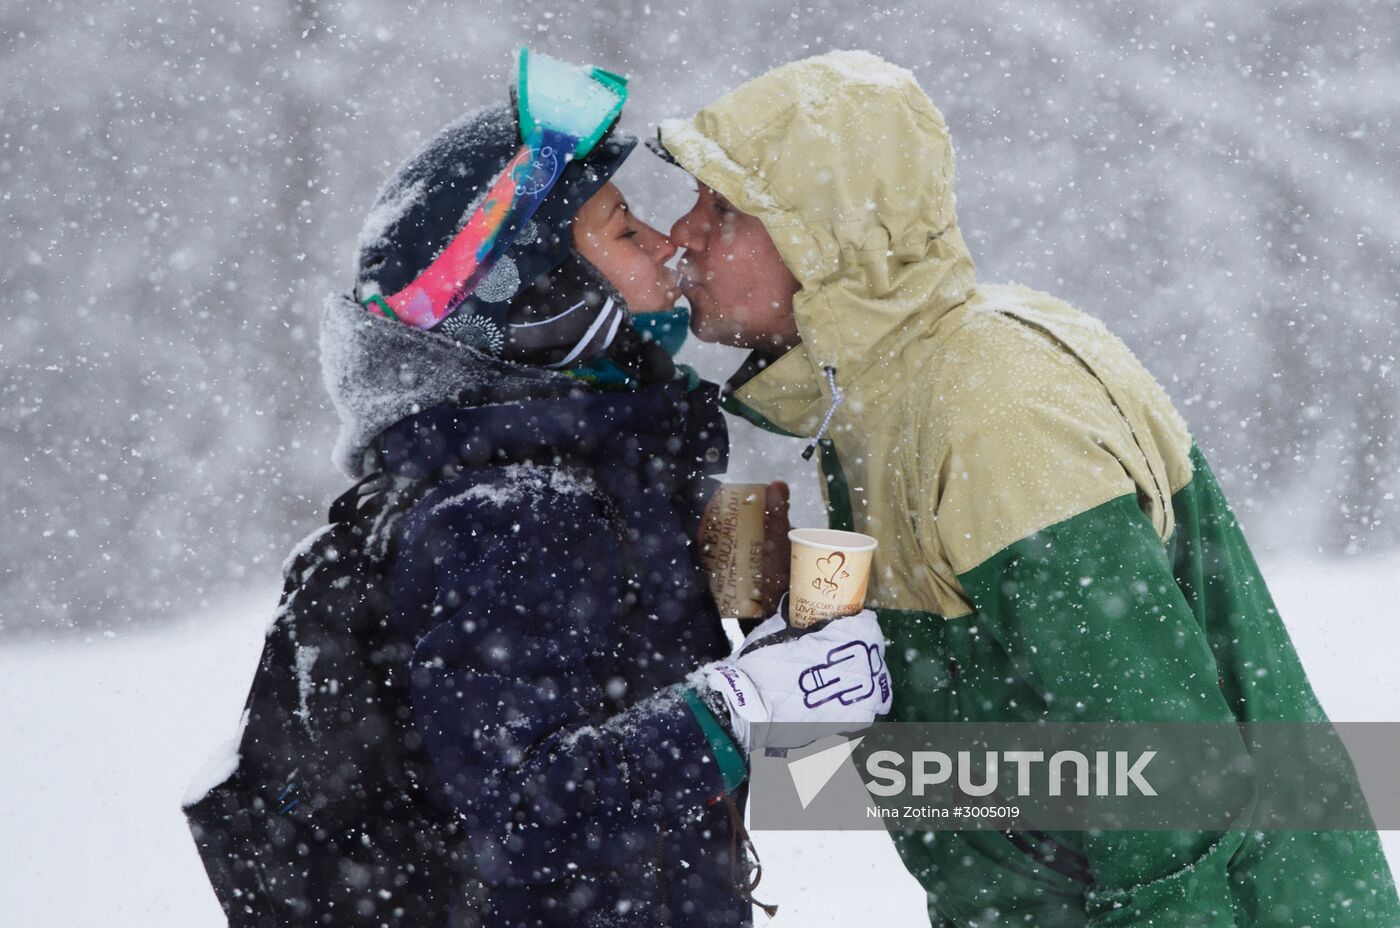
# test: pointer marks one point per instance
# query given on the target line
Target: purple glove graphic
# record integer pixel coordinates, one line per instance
(798, 685)
(851, 673)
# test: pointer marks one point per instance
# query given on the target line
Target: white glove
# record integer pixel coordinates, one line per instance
(830, 673)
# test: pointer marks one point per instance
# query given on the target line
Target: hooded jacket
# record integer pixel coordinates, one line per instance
(548, 584)
(1053, 545)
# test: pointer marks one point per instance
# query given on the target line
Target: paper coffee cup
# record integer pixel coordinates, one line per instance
(731, 549)
(830, 572)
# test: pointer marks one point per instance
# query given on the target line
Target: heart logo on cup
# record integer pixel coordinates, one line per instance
(831, 566)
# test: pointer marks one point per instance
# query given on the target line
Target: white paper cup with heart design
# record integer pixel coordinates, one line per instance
(830, 573)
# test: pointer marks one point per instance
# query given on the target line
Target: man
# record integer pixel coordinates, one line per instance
(1053, 546)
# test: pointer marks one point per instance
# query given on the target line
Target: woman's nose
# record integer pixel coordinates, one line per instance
(665, 248)
(658, 244)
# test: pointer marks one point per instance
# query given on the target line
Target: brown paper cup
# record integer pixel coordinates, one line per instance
(731, 549)
(830, 572)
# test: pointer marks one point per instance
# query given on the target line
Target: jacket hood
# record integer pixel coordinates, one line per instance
(849, 166)
(378, 372)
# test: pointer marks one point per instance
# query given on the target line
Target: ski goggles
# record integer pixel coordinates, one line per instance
(564, 111)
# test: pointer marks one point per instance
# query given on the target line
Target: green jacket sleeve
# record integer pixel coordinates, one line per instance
(1091, 617)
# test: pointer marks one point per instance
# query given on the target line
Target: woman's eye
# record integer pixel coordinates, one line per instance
(628, 234)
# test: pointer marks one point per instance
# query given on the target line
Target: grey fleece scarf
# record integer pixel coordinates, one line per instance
(379, 371)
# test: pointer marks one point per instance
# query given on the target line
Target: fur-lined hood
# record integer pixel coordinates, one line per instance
(378, 372)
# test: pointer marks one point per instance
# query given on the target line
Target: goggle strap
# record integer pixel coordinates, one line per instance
(475, 249)
(436, 292)
(382, 304)
(528, 126)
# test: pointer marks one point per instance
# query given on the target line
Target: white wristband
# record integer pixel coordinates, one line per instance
(745, 703)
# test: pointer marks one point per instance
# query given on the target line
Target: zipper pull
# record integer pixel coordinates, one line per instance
(837, 395)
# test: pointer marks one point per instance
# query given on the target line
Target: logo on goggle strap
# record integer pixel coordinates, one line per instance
(539, 172)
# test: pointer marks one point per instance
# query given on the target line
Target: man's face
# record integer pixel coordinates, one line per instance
(739, 290)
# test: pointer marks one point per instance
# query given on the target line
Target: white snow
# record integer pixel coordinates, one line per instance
(521, 482)
(306, 659)
(302, 547)
(218, 768)
(388, 211)
(500, 283)
(682, 134)
(564, 96)
(100, 738)
(863, 67)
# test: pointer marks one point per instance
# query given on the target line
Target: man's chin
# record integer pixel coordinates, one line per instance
(727, 339)
(702, 327)
(706, 334)
(697, 321)
(655, 303)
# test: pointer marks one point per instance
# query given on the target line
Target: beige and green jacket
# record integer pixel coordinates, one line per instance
(1052, 544)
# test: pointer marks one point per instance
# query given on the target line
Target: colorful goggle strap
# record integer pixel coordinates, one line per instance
(550, 95)
(511, 201)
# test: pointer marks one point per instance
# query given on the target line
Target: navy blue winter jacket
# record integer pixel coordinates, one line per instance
(550, 581)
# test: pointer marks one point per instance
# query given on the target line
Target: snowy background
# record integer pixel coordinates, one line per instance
(182, 181)
(101, 737)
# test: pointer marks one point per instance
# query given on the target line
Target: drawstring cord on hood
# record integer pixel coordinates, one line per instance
(837, 395)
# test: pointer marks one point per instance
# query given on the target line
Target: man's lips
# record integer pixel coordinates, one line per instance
(690, 277)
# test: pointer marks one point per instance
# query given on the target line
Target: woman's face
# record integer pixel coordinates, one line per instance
(629, 253)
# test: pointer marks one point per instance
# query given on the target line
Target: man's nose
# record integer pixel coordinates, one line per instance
(684, 232)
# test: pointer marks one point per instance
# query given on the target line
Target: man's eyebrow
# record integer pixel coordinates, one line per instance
(717, 195)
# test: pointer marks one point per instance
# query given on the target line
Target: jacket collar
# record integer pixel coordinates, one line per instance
(581, 426)
(779, 394)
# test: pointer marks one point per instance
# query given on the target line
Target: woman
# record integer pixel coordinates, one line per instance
(547, 577)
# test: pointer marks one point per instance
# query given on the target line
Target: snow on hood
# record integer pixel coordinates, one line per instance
(378, 371)
(849, 166)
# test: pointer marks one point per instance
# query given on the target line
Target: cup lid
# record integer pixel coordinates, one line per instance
(831, 539)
